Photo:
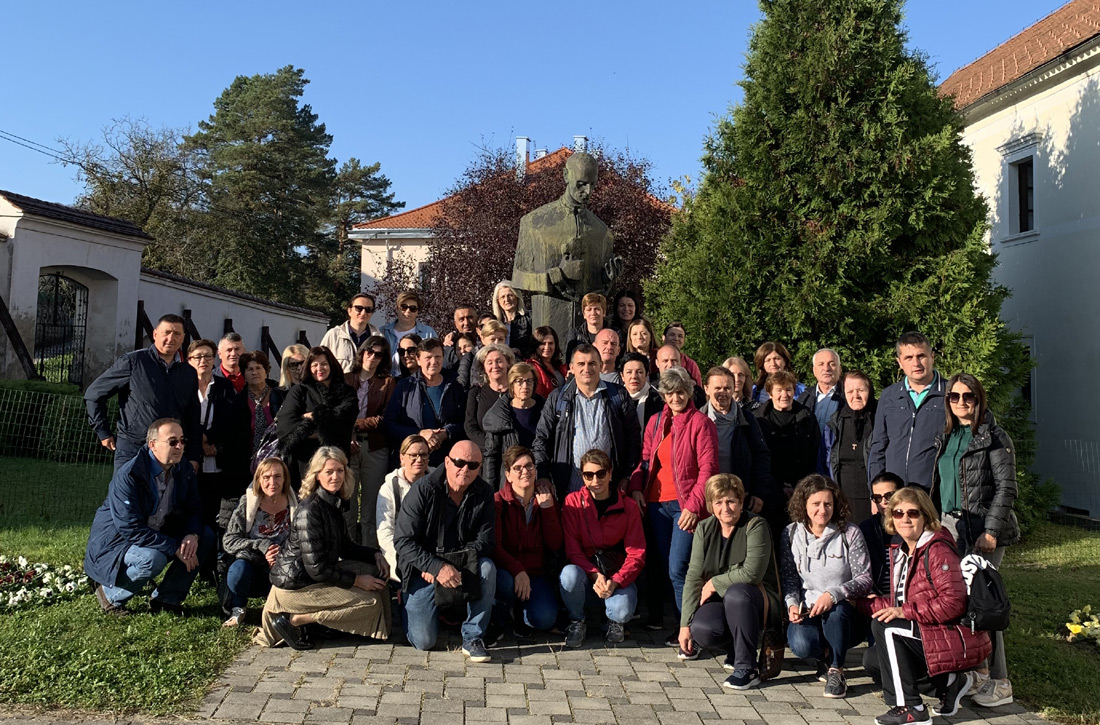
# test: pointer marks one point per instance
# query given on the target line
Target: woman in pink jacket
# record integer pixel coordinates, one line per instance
(679, 454)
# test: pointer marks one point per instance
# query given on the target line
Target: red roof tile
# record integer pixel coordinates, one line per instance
(1067, 27)
(425, 217)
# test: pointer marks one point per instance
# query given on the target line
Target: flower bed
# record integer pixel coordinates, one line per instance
(24, 585)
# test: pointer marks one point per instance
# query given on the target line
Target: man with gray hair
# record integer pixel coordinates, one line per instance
(230, 349)
(150, 521)
(827, 397)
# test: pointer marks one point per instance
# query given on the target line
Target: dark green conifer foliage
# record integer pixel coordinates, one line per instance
(838, 209)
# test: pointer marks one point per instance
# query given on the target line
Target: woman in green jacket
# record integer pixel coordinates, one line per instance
(731, 583)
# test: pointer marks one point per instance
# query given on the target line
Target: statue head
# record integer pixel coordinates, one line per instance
(580, 177)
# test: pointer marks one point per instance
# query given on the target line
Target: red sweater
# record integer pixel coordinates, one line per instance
(694, 456)
(521, 546)
(584, 533)
(936, 605)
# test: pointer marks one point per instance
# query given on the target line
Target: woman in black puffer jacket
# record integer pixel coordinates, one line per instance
(974, 485)
(319, 411)
(321, 576)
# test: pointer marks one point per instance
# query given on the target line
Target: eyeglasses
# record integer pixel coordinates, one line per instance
(361, 308)
(880, 498)
(463, 463)
(372, 352)
(410, 308)
(406, 351)
(523, 468)
(907, 513)
(593, 475)
(416, 456)
(295, 364)
(526, 382)
(175, 442)
(968, 398)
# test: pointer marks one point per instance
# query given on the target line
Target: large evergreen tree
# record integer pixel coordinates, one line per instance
(838, 209)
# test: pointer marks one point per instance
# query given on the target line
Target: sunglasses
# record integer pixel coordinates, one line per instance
(906, 513)
(410, 308)
(361, 308)
(295, 364)
(882, 497)
(175, 442)
(593, 475)
(408, 350)
(968, 398)
(372, 352)
(463, 463)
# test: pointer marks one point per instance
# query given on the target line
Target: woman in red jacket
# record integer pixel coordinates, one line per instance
(527, 530)
(679, 454)
(605, 550)
(919, 642)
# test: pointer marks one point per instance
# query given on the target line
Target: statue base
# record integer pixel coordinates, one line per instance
(560, 314)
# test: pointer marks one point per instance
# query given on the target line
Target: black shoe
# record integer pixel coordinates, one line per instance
(905, 716)
(673, 640)
(494, 635)
(320, 631)
(520, 630)
(949, 702)
(107, 606)
(295, 637)
(822, 673)
(156, 606)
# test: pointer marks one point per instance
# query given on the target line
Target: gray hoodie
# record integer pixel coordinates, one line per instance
(835, 563)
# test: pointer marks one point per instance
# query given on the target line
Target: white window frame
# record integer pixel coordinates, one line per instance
(1013, 153)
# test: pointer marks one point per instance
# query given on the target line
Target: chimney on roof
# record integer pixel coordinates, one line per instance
(523, 145)
(539, 153)
(580, 143)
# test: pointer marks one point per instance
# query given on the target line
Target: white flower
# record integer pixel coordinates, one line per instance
(22, 561)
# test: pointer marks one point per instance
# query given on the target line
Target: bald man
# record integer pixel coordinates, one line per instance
(670, 356)
(607, 342)
(449, 511)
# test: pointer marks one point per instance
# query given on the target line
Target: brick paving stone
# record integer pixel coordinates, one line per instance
(329, 715)
(505, 688)
(288, 718)
(372, 720)
(486, 714)
(357, 702)
(548, 707)
(440, 706)
(679, 718)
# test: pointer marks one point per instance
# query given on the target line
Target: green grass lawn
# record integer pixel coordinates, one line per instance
(1054, 573)
(70, 655)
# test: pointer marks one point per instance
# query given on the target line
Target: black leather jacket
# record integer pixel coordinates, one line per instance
(987, 483)
(318, 541)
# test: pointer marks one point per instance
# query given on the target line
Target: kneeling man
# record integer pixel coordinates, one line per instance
(151, 520)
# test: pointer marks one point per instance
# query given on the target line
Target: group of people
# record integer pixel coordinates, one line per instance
(497, 480)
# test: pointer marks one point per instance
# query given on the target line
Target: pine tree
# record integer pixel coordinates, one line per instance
(838, 209)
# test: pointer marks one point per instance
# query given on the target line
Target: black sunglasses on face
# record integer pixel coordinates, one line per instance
(408, 351)
(295, 364)
(968, 398)
(593, 475)
(410, 308)
(463, 463)
(361, 308)
(372, 352)
(879, 498)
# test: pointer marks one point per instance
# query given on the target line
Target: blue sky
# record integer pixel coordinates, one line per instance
(418, 86)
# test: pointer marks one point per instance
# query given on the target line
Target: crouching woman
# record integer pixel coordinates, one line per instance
(321, 576)
(731, 583)
(919, 643)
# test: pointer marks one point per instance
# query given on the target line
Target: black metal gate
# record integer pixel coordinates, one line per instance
(60, 329)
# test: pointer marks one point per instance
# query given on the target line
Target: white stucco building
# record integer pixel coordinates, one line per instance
(1032, 110)
(78, 296)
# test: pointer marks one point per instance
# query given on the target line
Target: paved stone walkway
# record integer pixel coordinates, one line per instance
(639, 682)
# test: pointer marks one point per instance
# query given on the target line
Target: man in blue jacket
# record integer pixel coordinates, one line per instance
(910, 415)
(150, 520)
(151, 384)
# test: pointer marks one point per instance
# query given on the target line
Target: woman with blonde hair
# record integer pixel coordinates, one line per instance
(291, 368)
(742, 380)
(320, 575)
(254, 536)
(509, 310)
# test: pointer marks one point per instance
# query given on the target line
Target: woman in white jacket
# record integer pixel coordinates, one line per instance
(414, 466)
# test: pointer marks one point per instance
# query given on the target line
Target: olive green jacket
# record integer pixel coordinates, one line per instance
(749, 561)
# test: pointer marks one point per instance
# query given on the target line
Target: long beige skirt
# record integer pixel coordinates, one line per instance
(353, 610)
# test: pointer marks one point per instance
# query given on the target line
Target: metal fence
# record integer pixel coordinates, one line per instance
(53, 471)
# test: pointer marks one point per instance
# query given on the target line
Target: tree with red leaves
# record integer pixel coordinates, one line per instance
(475, 240)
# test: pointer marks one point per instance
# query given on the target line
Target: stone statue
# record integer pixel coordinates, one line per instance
(565, 251)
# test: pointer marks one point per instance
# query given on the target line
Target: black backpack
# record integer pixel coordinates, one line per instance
(987, 605)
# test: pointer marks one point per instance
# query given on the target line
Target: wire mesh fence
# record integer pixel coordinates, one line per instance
(53, 471)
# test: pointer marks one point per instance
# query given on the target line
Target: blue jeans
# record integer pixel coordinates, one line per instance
(422, 628)
(240, 583)
(841, 627)
(142, 565)
(125, 450)
(576, 592)
(540, 611)
(672, 542)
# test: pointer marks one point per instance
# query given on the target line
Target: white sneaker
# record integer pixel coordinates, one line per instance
(236, 616)
(993, 693)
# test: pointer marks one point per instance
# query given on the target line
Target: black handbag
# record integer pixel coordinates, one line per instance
(607, 561)
(465, 560)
